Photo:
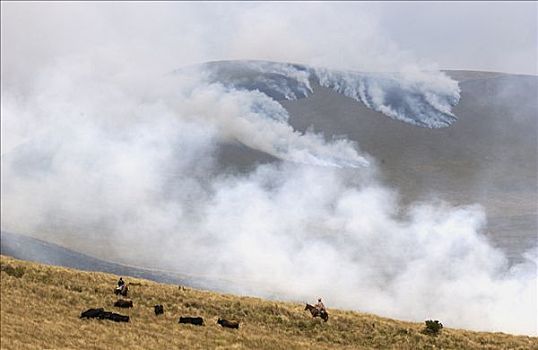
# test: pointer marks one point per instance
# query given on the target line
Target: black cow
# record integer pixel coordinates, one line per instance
(91, 313)
(198, 321)
(159, 310)
(123, 303)
(107, 315)
(118, 318)
(104, 315)
(228, 324)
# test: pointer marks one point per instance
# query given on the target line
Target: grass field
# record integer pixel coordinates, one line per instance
(41, 305)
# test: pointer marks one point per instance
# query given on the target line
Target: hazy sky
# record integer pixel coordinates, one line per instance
(493, 36)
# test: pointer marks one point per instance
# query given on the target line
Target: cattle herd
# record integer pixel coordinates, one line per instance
(101, 314)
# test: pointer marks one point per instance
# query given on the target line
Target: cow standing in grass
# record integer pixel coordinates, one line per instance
(197, 321)
(123, 303)
(101, 314)
(159, 310)
(228, 324)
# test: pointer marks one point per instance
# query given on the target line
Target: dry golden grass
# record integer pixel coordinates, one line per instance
(41, 305)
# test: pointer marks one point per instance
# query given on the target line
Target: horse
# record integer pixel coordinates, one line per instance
(121, 290)
(317, 313)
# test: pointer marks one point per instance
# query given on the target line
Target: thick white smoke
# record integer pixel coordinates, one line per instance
(305, 231)
(260, 122)
(420, 98)
(126, 171)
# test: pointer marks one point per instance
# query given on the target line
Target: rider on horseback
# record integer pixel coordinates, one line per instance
(318, 310)
(320, 306)
(121, 284)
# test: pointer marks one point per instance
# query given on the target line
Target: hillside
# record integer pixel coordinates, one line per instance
(40, 308)
(31, 249)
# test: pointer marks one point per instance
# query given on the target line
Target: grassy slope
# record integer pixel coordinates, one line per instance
(40, 308)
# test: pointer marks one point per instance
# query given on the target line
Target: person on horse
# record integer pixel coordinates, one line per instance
(320, 306)
(318, 310)
(121, 284)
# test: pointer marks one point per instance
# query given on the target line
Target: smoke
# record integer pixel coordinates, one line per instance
(318, 233)
(119, 160)
(164, 36)
(259, 122)
(420, 98)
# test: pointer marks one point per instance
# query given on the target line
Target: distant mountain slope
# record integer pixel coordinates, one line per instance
(31, 249)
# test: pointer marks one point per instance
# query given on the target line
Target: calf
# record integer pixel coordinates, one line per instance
(198, 321)
(123, 303)
(228, 324)
(159, 310)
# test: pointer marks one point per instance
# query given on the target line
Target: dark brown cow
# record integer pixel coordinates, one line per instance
(91, 313)
(197, 321)
(104, 315)
(228, 324)
(123, 303)
(159, 310)
(107, 315)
